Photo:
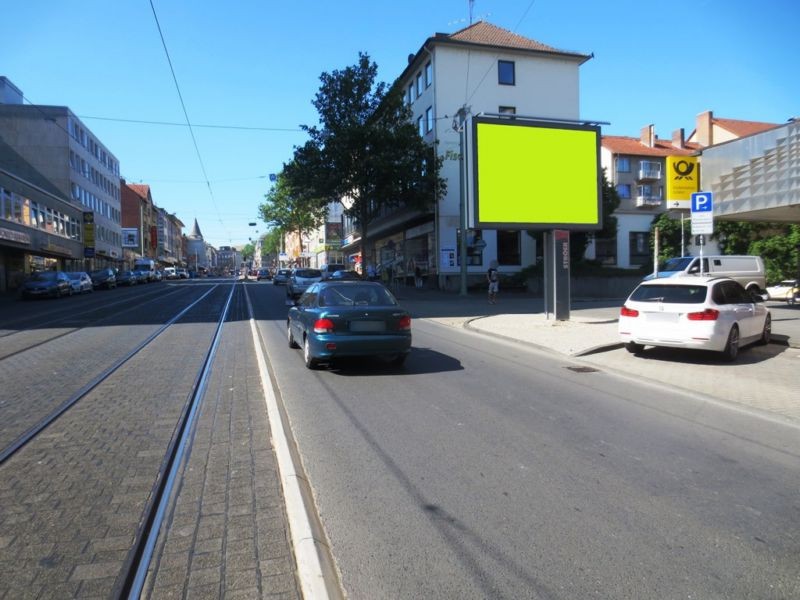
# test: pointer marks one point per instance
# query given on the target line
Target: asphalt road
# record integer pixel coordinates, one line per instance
(489, 470)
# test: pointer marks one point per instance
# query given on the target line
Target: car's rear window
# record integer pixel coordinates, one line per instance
(672, 294)
(308, 273)
(356, 295)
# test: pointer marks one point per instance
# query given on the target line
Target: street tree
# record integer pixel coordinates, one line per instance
(292, 208)
(365, 152)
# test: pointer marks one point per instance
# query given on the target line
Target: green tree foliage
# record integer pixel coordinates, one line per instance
(248, 251)
(776, 243)
(292, 208)
(669, 235)
(366, 151)
(271, 242)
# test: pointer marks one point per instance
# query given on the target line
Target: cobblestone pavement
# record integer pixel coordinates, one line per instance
(228, 535)
(71, 500)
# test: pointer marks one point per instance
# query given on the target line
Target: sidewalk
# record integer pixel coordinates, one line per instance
(763, 379)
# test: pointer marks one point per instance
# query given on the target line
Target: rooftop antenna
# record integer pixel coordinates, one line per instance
(471, 6)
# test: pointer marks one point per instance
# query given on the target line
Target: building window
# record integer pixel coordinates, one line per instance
(419, 84)
(507, 110)
(605, 251)
(410, 93)
(420, 126)
(623, 164)
(475, 247)
(429, 119)
(624, 190)
(505, 72)
(508, 248)
(428, 74)
(639, 247)
(652, 192)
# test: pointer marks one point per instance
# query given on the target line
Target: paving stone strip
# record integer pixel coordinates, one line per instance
(227, 535)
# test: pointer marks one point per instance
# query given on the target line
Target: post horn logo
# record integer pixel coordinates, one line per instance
(684, 169)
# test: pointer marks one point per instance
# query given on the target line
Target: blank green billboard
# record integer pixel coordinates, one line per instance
(535, 175)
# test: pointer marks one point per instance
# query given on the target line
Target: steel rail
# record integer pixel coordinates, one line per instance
(137, 563)
(31, 433)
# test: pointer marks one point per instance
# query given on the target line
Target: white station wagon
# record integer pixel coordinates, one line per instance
(705, 313)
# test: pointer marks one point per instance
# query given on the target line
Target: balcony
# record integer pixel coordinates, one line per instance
(648, 201)
(650, 174)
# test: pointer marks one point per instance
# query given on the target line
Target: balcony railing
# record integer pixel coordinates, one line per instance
(646, 173)
(648, 201)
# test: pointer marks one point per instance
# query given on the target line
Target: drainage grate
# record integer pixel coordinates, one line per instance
(584, 369)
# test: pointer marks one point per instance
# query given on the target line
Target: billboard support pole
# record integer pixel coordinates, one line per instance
(556, 275)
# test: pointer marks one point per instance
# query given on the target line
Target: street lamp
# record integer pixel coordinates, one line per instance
(459, 125)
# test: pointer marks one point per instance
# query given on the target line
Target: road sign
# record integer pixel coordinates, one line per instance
(702, 213)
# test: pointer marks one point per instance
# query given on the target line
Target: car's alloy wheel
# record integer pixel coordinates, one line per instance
(310, 361)
(731, 350)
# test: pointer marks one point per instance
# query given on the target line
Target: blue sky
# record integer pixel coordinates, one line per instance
(256, 64)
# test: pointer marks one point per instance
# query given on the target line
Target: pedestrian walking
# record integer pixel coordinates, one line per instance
(493, 278)
(417, 277)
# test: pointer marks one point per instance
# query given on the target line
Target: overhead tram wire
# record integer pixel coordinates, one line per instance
(167, 123)
(188, 122)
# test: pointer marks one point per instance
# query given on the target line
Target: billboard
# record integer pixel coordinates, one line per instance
(130, 237)
(535, 175)
(683, 180)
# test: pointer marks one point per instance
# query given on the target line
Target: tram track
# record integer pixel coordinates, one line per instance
(133, 569)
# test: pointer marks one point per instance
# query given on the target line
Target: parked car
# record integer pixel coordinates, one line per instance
(182, 273)
(281, 277)
(785, 290)
(127, 278)
(170, 273)
(335, 319)
(263, 274)
(300, 280)
(330, 269)
(705, 313)
(344, 275)
(747, 270)
(46, 283)
(141, 276)
(104, 278)
(80, 281)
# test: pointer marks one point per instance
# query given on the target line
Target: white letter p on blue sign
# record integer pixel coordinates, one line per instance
(702, 202)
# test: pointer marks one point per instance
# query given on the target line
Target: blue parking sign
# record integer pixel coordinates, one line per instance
(702, 202)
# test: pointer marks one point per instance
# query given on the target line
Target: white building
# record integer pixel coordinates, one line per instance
(484, 69)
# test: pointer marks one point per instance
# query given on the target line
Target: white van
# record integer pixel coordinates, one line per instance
(747, 270)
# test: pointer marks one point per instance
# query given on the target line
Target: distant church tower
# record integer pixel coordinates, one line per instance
(196, 248)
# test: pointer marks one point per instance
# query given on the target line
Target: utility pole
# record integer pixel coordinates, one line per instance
(459, 125)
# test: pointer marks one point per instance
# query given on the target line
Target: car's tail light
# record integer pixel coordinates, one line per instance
(709, 314)
(404, 324)
(323, 326)
(628, 312)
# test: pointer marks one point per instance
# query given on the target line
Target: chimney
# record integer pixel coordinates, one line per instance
(411, 58)
(678, 139)
(648, 135)
(705, 130)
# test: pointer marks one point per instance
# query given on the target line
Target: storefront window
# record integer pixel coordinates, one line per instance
(508, 248)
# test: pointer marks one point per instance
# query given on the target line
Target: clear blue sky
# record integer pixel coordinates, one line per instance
(256, 63)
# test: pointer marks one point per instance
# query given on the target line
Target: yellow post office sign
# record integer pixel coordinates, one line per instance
(683, 180)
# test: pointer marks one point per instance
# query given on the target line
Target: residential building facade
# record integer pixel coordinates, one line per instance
(60, 147)
(40, 229)
(479, 69)
(139, 216)
(170, 238)
(637, 168)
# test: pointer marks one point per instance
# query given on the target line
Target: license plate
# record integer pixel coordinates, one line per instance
(665, 317)
(360, 326)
